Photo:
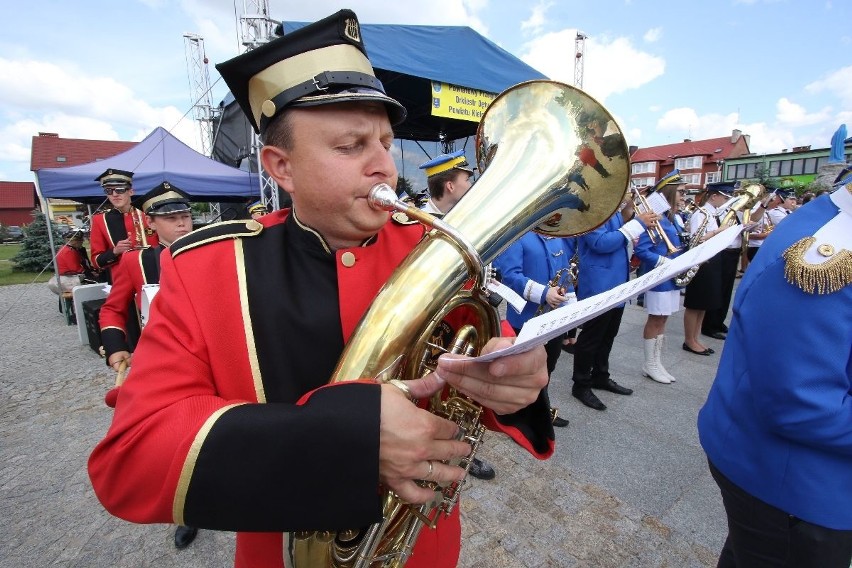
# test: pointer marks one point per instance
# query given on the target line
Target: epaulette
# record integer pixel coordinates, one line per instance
(215, 232)
(400, 218)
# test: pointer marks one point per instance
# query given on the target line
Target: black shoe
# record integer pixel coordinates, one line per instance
(707, 351)
(587, 397)
(560, 422)
(184, 536)
(480, 469)
(611, 386)
(723, 328)
(715, 334)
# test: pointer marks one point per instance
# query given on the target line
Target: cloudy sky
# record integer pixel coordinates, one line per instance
(779, 70)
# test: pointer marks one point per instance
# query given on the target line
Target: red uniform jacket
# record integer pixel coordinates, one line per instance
(135, 269)
(216, 427)
(70, 261)
(112, 226)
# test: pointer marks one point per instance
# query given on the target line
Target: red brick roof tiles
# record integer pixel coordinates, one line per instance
(17, 195)
(47, 148)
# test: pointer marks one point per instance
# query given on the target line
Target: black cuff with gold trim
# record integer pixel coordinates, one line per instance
(113, 340)
(280, 467)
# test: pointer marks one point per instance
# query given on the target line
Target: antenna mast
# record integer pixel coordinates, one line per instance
(579, 51)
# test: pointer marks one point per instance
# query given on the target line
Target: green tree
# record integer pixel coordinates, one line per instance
(35, 254)
(403, 185)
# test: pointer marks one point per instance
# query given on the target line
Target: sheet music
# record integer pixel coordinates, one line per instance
(541, 329)
(659, 204)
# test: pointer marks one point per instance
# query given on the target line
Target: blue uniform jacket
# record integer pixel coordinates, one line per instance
(532, 257)
(649, 254)
(778, 418)
(604, 263)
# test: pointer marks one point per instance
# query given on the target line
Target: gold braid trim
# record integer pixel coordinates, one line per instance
(825, 278)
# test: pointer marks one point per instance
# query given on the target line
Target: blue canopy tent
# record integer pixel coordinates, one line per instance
(407, 59)
(159, 157)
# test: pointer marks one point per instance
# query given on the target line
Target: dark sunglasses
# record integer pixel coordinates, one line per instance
(118, 190)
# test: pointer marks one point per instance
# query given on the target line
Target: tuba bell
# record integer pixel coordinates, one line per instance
(540, 146)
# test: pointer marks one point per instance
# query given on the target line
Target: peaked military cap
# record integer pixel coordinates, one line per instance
(322, 63)
(164, 199)
(444, 162)
(258, 207)
(725, 188)
(844, 177)
(113, 177)
(672, 177)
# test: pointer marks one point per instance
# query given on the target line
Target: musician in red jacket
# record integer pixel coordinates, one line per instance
(167, 212)
(121, 228)
(227, 421)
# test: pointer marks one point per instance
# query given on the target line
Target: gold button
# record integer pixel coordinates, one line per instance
(825, 249)
(348, 259)
(254, 225)
(268, 108)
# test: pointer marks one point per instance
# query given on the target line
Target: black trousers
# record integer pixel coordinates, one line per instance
(594, 344)
(714, 320)
(763, 536)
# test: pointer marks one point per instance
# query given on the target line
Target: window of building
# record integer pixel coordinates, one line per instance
(691, 163)
(642, 181)
(821, 161)
(643, 168)
(786, 167)
(810, 165)
(691, 179)
(713, 177)
(798, 167)
(61, 159)
(774, 168)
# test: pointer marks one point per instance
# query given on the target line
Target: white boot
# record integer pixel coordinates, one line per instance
(658, 348)
(651, 367)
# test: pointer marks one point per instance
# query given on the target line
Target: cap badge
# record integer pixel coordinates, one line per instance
(352, 31)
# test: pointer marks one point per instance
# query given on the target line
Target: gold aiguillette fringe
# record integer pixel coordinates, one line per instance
(825, 278)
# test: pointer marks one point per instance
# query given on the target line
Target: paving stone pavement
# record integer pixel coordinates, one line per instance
(627, 487)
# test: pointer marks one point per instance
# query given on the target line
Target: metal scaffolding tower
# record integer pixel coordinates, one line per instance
(202, 102)
(257, 28)
(579, 51)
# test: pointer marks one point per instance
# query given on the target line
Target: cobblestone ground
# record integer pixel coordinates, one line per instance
(627, 487)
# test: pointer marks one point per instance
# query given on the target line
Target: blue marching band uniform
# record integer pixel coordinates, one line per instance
(777, 424)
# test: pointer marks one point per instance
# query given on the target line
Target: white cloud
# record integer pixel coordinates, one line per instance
(653, 35)
(537, 18)
(609, 66)
(838, 83)
(794, 115)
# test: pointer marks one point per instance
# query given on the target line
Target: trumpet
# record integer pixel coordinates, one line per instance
(747, 197)
(655, 230)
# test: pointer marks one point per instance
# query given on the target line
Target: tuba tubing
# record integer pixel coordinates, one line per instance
(540, 146)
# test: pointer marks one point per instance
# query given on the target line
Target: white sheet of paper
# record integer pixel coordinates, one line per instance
(658, 203)
(541, 329)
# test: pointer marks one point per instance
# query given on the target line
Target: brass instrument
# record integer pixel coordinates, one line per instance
(748, 197)
(559, 280)
(138, 240)
(684, 278)
(655, 230)
(528, 146)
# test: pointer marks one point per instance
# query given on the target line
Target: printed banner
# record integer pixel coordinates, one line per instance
(452, 101)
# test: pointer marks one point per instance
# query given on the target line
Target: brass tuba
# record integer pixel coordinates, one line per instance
(539, 145)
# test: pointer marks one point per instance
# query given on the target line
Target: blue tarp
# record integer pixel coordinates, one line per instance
(159, 157)
(407, 58)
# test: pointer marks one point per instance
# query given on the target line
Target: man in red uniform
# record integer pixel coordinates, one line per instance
(227, 421)
(72, 263)
(121, 228)
(167, 212)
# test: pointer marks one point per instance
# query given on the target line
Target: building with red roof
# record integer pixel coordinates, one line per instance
(17, 200)
(699, 161)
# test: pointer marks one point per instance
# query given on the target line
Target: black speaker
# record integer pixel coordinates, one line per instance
(91, 314)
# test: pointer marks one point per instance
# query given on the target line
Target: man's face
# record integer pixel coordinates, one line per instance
(790, 203)
(339, 152)
(120, 200)
(460, 185)
(170, 227)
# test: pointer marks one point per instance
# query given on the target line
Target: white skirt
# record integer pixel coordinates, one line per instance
(662, 303)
